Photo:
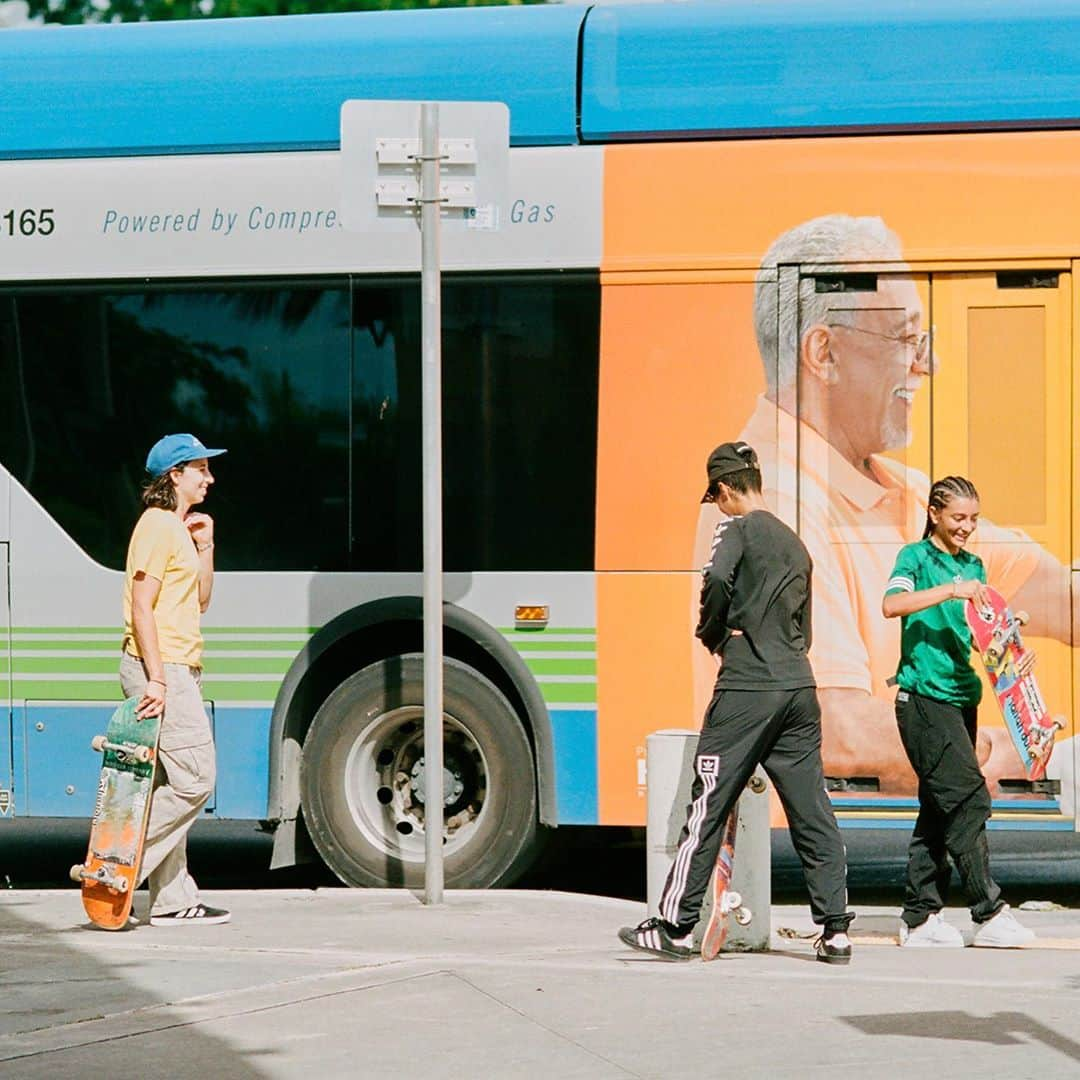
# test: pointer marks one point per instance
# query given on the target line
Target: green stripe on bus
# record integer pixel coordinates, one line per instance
(561, 667)
(554, 646)
(285, 645)
(573, 693)
(42, 645)
(295, 631)
(62, 665)
(246, 665)
(43, 690)
(91, 665)
(221, 690)
(213, 690)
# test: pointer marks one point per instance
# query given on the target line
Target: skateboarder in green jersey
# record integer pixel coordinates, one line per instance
(936, 710)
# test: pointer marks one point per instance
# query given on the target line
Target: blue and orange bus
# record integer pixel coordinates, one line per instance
(723, 219)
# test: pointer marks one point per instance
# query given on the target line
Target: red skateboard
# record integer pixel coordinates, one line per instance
(725, 901)
(996, 633)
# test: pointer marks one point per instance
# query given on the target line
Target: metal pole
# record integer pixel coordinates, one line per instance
(431, 394)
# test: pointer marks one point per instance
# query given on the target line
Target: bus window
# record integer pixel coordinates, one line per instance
(91, 377)
(520, 355)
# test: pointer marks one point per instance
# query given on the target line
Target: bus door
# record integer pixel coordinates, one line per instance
(854, 355)
(1002, 417)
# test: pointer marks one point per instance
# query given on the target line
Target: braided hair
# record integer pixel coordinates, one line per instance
(943, 492)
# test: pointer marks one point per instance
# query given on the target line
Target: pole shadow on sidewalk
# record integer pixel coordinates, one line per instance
(1000, 1029)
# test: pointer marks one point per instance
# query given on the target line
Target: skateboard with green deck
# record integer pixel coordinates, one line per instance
(110, 871)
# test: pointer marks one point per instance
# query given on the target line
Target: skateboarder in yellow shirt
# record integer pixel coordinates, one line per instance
(167, 585)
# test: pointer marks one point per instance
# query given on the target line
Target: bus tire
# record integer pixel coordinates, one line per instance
(361, 779)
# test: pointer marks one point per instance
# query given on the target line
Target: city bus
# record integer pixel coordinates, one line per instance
(845, 233)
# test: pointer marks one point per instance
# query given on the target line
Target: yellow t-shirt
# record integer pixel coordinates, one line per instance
(162, 548)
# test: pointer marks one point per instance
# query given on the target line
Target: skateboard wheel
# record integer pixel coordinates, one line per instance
(743, 916)
(141, 754)
(76, 873)
(1021, 617)
(120, 885)
(98, 742)
(733, 900)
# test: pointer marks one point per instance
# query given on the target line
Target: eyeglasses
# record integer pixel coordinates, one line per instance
(919, 342)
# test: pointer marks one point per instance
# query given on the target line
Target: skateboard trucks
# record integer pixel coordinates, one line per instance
(102, 874)
(995, 651)
(135, 751)
(731, 904)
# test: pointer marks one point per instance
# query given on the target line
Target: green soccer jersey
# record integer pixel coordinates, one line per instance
(935, 644)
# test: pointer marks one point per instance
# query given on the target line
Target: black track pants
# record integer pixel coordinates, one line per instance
(780, 729)
(954, 806)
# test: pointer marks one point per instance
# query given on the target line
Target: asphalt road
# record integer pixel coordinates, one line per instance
(605, 862)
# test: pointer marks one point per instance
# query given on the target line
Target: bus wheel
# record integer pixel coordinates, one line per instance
(362, 779)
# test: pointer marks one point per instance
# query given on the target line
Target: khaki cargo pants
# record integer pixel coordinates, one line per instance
(183, 784)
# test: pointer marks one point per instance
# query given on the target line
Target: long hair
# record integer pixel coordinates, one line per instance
(943, 492)
(160, 492)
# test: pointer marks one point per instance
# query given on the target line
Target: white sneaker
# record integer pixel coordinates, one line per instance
(935, 933)
(1002, 932)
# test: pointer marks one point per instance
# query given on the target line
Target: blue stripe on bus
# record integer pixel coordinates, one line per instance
(747, 66)
(61, 769)
(243, 738)
(649, 71)
(1031, 804)
(996, 824)
(576, 779)
(278, 83)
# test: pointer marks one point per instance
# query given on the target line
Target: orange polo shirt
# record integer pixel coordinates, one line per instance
(853, 527)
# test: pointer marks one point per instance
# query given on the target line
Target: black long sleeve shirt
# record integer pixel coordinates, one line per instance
(755, 604)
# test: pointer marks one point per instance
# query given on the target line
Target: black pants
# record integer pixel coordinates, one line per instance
(781, 730)
(954, 807)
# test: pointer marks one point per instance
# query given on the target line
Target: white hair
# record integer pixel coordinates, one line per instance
(827, 243)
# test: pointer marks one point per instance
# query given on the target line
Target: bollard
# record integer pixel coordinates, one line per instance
(669, 764)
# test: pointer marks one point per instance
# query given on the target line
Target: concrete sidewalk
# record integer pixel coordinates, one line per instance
(328, 983)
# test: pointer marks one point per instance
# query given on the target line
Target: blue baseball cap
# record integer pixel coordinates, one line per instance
(171, 450)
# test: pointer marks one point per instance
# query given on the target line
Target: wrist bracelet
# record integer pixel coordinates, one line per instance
(200, 548)
(160, 682)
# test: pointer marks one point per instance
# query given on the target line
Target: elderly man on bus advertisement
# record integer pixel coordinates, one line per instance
(843, 370)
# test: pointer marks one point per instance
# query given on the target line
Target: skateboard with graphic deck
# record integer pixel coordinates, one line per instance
(110, 872)
(995, 630)
(725, 901)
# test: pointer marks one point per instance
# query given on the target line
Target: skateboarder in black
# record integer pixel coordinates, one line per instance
(755, 616)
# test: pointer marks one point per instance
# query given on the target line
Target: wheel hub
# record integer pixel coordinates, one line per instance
(453, 785)
(385, 788)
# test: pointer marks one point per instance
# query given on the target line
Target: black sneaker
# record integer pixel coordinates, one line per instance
(833, 949)
(200, 914)
(652, 936)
